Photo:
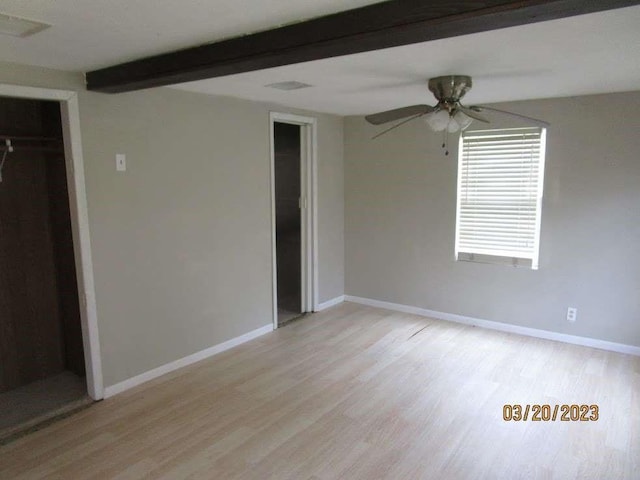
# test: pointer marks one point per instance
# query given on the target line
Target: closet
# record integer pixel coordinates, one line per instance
(287, 176)
(41, 352)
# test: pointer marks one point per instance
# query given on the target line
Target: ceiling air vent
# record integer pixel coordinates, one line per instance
(292, 85)
(19, 27)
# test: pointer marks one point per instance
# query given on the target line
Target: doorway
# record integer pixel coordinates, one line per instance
(293, 216)
(50, 365)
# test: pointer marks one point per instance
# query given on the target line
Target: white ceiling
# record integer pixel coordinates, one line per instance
(595, 53)
(90, 34)
(589, 54)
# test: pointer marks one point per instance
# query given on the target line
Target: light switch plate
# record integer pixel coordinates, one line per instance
(121, 162)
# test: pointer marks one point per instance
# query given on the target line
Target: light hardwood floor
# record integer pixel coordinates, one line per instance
(352, 393)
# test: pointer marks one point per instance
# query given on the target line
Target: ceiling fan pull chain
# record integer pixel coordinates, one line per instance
(445, 141)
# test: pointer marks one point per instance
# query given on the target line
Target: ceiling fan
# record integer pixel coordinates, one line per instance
(449, 114)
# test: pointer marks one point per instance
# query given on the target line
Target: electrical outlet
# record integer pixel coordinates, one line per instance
(121, 162)
(572, 314)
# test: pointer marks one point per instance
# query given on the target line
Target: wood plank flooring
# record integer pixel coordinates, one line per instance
(352, 393)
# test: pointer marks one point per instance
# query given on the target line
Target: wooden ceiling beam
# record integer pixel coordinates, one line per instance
(374, 27)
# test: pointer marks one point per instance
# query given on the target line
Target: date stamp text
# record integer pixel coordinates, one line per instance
(550, 413)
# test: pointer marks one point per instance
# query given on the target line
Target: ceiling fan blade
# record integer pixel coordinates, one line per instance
(473, 114)
(406, 120)
(535, 121)
(398, 113)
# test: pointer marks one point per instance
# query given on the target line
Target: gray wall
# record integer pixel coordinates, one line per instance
(181, 241)
(400, 202)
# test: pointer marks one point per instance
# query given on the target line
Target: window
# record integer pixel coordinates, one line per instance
(500, 179)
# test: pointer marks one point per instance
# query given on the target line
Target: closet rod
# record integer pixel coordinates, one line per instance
(18, 137)
(33, 148)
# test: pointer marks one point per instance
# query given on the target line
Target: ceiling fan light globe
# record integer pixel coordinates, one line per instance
(438, 121)
(453, 125)
(463, 120)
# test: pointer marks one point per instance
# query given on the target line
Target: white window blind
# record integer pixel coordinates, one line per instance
(500, 180)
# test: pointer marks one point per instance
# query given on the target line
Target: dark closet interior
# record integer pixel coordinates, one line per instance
(287, 147)
(41, 351)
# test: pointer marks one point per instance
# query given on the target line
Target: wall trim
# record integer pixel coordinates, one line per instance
(329, 303)
(502, 327)
(120, 387)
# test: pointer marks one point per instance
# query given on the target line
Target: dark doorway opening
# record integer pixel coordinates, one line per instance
(287, 168)
(42, 368)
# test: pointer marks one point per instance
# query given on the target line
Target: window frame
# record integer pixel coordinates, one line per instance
(522, 261)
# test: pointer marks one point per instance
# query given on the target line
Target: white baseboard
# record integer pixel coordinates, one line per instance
(183, 362)
(503, 327)
(330, 303)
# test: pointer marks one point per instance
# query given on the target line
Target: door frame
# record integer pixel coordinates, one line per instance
(308, 210)
(70, 115)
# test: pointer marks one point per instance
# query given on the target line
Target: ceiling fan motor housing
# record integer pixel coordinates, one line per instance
(449, 89)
